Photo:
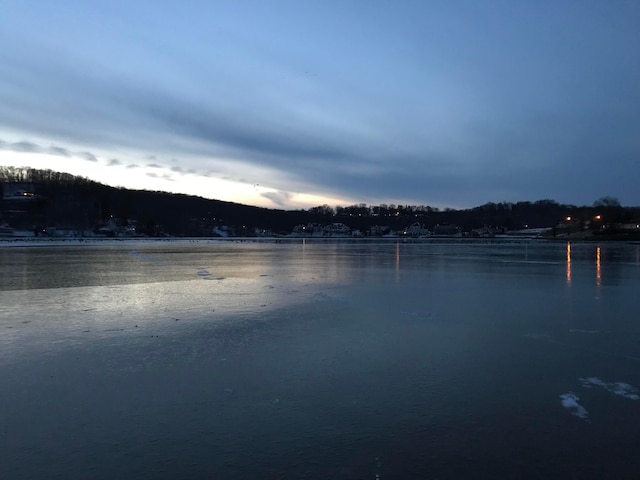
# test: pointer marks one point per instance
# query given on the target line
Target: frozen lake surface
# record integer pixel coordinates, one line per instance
(320, 360)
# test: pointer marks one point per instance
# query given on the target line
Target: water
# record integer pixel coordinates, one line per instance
(318, 360)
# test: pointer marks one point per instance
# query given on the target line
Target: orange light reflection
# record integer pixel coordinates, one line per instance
(568, 263)
(598, 268)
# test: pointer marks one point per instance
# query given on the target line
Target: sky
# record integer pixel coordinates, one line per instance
(295, 104)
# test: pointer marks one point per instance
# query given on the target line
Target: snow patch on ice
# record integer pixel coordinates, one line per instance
(577, 330)
(570, 402)
(617, 388)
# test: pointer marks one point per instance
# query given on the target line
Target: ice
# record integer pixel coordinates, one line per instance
(537, 336)
(570, 402)
(203, 273)
(306, 356)
(325, 297)
(146, 257)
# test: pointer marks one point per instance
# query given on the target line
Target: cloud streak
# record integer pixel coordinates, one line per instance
(32, 147)
(278, 198)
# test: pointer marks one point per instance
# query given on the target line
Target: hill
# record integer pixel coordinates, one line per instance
(45, 201)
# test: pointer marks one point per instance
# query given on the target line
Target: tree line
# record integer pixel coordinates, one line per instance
(68, 201)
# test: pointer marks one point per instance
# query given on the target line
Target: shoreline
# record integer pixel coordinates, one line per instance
(35, 242)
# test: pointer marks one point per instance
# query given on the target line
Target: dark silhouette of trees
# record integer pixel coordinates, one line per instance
(607, 202)
(66, 201)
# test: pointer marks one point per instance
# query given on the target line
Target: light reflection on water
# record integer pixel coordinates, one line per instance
(319, 360)
(598, 268)
(569, 263)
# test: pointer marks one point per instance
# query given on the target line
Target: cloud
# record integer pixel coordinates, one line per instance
(25, 147)
(279, 198)
(467, 127)
(157, 115)
(90, 157)
(59, 151)
(164, 176)
(114, 162)
(313, 157)
(133, 165)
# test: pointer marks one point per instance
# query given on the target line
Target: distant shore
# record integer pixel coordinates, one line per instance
(21, 242)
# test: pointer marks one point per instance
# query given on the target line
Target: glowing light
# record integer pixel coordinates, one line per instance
(568, 219)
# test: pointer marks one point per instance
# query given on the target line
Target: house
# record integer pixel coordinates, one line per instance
(18, 191)
(308, 230)
(445, 229)
(336, 230)
(415, 230)
(484, 232)
(222, 231)
(379, 230)
(628, 227)
(6, 230)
